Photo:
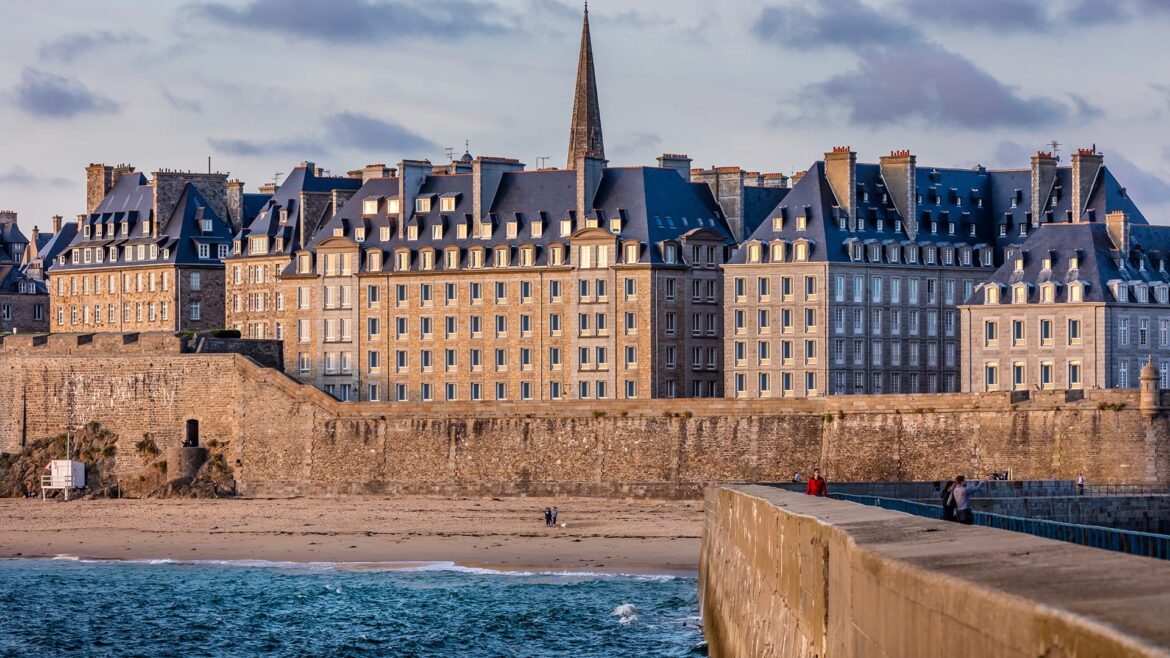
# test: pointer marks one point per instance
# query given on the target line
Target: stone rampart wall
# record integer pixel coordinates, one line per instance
(788, 575)
(291, 439)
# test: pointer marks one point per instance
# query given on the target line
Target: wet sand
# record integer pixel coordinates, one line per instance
(599, 534)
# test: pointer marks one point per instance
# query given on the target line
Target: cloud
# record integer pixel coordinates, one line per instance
(340, 21)
(69, 47)
(842, 24)
(360, 131)
(635, 143)
(345, 130)
(48, 95)
(193, 105)
(1030, 16)
(903, 77)
(264, 148)
(929, 83)
(1143, 186)
(18, 176)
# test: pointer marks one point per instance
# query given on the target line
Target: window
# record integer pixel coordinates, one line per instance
(1046, 332)
(1074, 332)
(1123, 331)
(195, 282)
(1074, 374)
(204, 250)
(991, 376)
(990, 333)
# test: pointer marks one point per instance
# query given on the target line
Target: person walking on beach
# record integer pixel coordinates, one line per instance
(948, 501)
(816, 484)
(547, 517)
(961, 493)
(554, 517)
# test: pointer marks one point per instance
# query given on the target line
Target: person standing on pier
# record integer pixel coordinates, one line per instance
(816, 484)
(961, 493)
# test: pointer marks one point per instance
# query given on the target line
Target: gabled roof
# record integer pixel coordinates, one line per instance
(272, 222)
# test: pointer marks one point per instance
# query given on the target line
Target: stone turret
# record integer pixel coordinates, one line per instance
(585, 130)
(1150, 397)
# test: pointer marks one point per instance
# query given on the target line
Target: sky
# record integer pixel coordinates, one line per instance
(770, 85)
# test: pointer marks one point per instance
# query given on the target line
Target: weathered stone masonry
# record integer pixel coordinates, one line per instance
(288, 439)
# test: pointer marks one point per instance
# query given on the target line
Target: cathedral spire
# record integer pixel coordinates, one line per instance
(585, 132)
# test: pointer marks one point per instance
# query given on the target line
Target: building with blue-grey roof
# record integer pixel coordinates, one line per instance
(146, 256)
(1077, 305)
(23, 299)
(261, 250)
(853, 283)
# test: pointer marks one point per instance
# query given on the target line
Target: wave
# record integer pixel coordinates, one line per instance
(397, 566)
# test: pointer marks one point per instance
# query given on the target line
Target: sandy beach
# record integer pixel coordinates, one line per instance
(599, 534)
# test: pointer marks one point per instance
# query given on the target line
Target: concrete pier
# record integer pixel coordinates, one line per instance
(783, 574)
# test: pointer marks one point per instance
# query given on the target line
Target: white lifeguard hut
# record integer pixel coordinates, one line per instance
(63, 474)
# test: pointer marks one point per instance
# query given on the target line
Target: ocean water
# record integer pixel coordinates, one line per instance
(69, 607)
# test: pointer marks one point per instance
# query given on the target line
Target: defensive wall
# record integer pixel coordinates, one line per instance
(788, 575)
(290, 439)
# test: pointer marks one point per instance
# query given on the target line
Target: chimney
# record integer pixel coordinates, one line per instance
(412, 175)
(36, 233)
(1043, 178)
(726, 185)
(99, 178)
(372, 171)
(775, 180)
(57, 224)
(1085, 165)
(169, 185)
(80, 222)
(590, 169)
(235, 203)
(899, 172)
(7, 216)
(797, 176)
(1117, 225)
(841, 170)
(268, 188)
(486, 174)
(677, 162)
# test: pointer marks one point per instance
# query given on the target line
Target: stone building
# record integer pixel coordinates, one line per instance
(23, 300)
(146, 256)
(854, 282)
(255, 303)
(1078, 305)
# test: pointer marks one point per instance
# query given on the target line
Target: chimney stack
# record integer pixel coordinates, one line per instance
(1043, 178)
(841, 170)
(590, 168)
(677, 162)
(235, 203)
(899, 171)
(99, 178)
(1085, 165)
(57, 224)
(1117, 225)
(411, 176)
(486, 174)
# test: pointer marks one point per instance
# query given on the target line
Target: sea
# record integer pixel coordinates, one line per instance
(75, 607)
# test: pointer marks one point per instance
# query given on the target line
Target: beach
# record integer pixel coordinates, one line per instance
(628, 536)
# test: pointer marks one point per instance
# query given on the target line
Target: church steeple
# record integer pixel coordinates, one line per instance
(585, 132)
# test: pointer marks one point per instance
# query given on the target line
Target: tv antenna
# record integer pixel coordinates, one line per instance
(276, 178)
(542, 161)
(1055, 146)
(450, 152)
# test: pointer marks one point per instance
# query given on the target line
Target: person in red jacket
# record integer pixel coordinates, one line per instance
(816, 484)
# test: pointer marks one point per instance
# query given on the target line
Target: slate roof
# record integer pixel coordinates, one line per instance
(270, 221)
(653, 204)
(131, 201)
(1098, 261)
(967, 198)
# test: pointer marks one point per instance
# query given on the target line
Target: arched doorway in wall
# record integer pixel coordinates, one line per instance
(191, 437)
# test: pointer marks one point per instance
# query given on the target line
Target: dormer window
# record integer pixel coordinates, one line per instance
(393, 206)
(427, 259)
(402, 260)
(631, 252)
(206, 226)
(125, 228)
(461, 231)
(801, 251)
(930, 256)
(437, 231)
(501, 257)
(221, 251)
(284, 215)
(447, 204)
(671, 255)
(113, 254)
(527, 257)
(511, 230)
(987, 258)
(933, 227)
(338, 232)
(370, 205)
(1076, 292)
(1020, 264)
(950, 228)
(359, 234)
(536, 229)
(897, 226)
(384, 234)
(754, 252)
(154, 252)
(948, 258)
(857, 252)
(204, 250)
(85, 231)
(1023, 230)
(1046, 264)
(801, 222)
(615, 225)
(777, 223)
(374, 260)
(422, 204)
(1020, 293)
(566, 228)
(991, 295)
(412, 232)
(557, 256)
(304, 264)
(971, 230)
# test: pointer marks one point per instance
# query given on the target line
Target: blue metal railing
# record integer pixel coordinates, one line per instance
(1147, 544)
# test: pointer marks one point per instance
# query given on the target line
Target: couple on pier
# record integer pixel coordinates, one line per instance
(956, 497)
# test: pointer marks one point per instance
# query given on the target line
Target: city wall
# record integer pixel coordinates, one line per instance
(782, 574)
(288, 439)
